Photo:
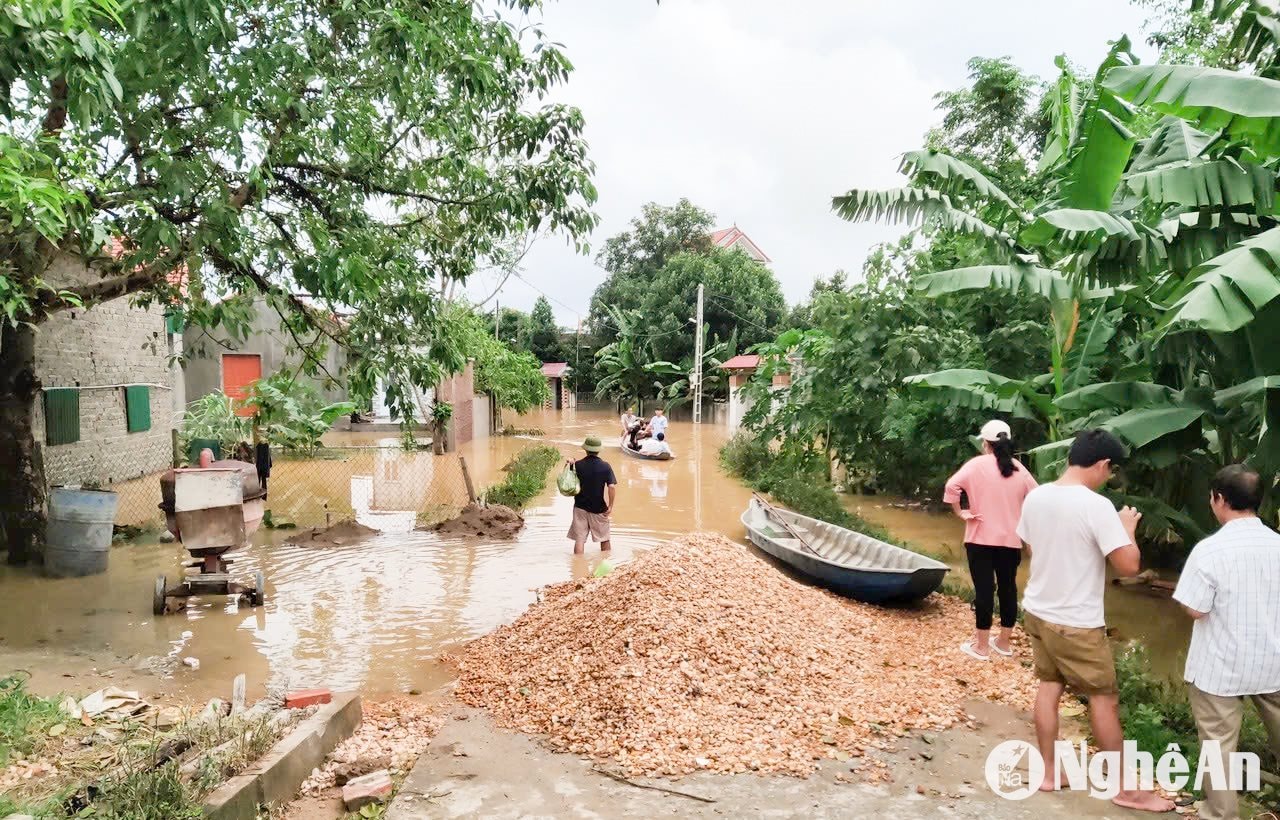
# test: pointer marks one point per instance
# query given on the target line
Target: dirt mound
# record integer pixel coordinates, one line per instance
(699, 655)
(493, 521)
(339, 535)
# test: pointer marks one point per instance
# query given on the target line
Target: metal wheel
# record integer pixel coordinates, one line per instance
(157, 598)
(260, 589)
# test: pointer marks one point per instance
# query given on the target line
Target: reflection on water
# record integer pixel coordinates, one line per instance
(374, 615)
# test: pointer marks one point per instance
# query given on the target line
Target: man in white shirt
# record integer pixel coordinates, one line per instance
(629, 420)
(1231, 586)
(656, 446)
(658, 424)
(1073, 532)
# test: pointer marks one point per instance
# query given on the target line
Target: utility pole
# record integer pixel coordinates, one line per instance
(697, 362)
(497, 318)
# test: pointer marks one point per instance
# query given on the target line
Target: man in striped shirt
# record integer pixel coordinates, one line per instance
(1231, 586)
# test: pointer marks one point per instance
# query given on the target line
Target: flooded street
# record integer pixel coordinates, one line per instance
(376, 615)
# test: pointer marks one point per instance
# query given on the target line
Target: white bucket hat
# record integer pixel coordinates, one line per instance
(992, 430)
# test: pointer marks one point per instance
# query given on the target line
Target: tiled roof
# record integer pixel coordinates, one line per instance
(555, 370)
(729, 237)
(743, 361)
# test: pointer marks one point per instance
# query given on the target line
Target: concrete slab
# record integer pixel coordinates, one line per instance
(276, 777)
(473, 769)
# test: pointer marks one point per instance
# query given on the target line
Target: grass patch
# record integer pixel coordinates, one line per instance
(526, 477)
(25, 718)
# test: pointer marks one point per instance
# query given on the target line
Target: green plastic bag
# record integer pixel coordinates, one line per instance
(568, 481)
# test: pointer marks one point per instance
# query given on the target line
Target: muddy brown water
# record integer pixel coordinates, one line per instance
(376, 615)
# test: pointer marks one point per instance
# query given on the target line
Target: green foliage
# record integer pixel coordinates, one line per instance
(627, 368)
(526, 477)
(544, 335)
(213, 416)
(290, 413)
(24, 718)
(512, 376)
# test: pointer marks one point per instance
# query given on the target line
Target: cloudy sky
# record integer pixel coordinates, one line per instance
(761, 111)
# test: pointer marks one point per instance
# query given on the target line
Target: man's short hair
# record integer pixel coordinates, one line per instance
(1092, 446)
(661, 437)
(1239, 486)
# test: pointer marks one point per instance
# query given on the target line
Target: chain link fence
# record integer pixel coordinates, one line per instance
(331, 484)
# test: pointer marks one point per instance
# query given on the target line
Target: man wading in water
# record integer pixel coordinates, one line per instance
(590, 509)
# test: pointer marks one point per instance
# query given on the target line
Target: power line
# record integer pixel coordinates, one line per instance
(738, 316)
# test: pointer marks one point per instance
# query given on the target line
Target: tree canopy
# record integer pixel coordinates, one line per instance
(361, 153)
(544, 335)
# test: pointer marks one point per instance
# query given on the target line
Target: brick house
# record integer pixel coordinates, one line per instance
(556, 374)
(111, 389)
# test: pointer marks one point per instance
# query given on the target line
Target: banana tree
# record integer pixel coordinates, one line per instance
(627, 367)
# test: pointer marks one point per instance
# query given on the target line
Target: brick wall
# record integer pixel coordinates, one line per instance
(459, 391)
(111, 343)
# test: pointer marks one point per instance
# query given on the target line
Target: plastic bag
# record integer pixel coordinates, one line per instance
(568, 481)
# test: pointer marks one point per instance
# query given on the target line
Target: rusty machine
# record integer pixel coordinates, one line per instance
(211, 509)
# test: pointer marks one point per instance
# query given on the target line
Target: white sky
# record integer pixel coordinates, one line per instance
(761, 111)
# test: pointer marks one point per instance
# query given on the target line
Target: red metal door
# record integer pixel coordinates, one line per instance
(239, 370)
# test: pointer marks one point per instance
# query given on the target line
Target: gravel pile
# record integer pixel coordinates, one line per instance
(699, 655)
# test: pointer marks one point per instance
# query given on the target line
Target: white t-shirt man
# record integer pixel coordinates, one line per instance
(1071, 530)
(657, 424)
(653, 447)
(1234, 576)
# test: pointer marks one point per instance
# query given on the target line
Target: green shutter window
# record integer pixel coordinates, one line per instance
(137, 408)
(61, 415)
(173, 322)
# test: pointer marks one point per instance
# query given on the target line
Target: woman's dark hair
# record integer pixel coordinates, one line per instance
(1002, 448)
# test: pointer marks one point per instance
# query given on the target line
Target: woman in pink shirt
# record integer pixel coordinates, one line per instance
(995, 485)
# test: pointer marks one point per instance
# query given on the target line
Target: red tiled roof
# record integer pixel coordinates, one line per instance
(176, 277)
(743, 361)
(728, 237)
(555, 370)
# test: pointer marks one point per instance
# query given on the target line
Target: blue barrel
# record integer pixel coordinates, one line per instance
(78, 537)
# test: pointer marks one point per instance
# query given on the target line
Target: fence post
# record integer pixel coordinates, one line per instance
(466, 477)
(173, 446)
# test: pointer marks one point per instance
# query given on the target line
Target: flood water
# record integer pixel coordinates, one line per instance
(376, 615)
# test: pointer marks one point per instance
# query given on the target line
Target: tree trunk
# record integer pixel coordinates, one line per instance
(22, 482)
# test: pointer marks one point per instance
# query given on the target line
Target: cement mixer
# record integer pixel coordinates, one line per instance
(212, 509)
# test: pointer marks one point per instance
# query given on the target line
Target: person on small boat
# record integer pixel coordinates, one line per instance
(594, 502)
(656, 446)
(658, 424)
(629, 421)
(995, 484)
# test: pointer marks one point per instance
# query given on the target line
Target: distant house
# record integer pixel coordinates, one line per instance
(556, 374)
(734, 238)
(215, 361)
(739, 368)
(111, 389)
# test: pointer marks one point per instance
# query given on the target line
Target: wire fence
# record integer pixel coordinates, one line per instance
(331, 484)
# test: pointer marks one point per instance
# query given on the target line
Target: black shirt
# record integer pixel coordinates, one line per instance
(594, 474)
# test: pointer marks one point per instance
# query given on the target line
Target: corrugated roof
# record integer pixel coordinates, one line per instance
(743, 361)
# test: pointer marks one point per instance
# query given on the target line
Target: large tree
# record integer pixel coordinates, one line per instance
(359, 152)
(544, 335)
(633, 257)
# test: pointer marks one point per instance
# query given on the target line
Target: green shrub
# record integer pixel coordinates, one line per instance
(526, 477)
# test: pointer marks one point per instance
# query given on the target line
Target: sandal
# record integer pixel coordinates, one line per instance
(968, 649)
(1008, 653)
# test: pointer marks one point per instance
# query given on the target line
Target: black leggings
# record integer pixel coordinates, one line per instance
(992, 568)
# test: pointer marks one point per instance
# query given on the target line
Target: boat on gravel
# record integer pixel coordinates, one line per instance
(622, 445)
(848, 562)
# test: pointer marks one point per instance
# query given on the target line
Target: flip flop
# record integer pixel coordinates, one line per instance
(967, 648)
(1008, 653)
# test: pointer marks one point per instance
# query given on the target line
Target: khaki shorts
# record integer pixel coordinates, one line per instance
(1079, 658)
(595, 525)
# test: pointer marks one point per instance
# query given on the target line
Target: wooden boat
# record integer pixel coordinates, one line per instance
(845, 561)
(622, 445)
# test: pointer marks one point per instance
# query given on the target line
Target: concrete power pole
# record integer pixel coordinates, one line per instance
(697, 362)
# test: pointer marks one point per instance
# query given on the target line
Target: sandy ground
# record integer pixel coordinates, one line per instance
(473, 769)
